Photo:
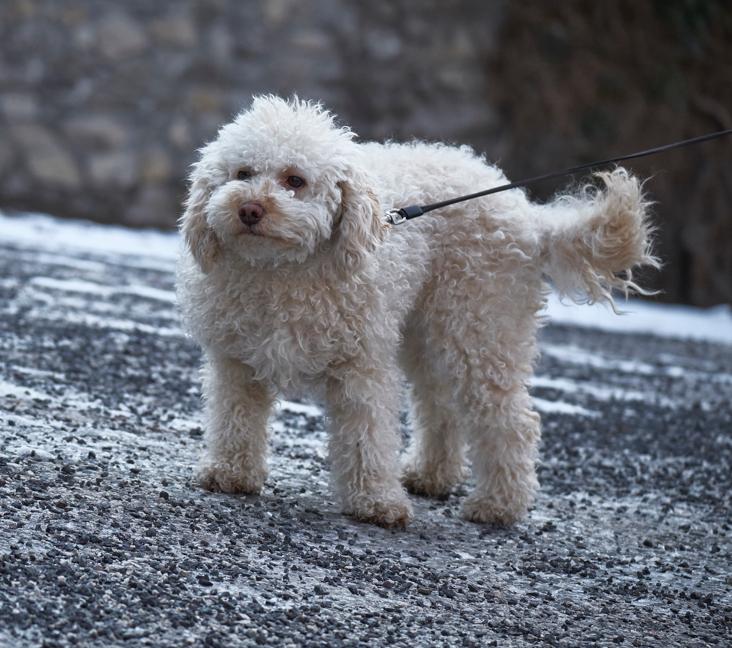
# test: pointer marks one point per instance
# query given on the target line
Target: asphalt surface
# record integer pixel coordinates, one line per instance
(106, 541)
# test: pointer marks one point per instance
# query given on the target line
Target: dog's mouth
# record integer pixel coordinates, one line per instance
(254, 230)
(249, 230)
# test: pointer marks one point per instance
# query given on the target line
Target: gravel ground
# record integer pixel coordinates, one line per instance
(105, 541)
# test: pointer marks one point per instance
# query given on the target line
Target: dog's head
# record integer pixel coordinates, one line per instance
(281, 183)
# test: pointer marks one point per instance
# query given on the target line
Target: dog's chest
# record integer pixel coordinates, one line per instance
(288, 332)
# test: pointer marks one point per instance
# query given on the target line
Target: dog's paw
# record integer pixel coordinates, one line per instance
(485, 509)
(222, 477)
(432, 483)
(389, 513)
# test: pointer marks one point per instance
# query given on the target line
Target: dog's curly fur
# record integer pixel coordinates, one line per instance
(320, 295)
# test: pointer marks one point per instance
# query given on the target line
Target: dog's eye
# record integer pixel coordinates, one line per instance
(295, 181)
(243, 174)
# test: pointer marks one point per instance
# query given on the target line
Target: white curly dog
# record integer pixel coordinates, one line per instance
(291, 279)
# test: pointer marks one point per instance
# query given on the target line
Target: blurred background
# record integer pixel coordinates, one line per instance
(103, 104)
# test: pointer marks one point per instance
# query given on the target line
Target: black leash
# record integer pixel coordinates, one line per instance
(396, 216)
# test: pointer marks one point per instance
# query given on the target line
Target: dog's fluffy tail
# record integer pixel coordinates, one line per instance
(593, 239)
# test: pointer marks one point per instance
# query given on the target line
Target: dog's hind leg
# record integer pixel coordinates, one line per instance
(480, 318)
(495, 364)
(504, 435)
(503, 431)
(491, 407)
(435, 461)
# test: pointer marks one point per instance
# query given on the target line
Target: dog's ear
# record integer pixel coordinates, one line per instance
(200, 238)
(359, 228)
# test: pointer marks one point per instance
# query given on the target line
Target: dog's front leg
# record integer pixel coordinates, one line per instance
(364, 445)
(237, 410)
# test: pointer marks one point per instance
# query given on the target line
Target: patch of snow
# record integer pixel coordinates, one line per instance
(711, 324)
(149, 293)
(42, 373)
(113, 323)
(58, 306)
(31, 451)
(572, 354)
(600, 392)
(560, 407)
(183, 425)
(299, 408)
(69, 399)
(53, 234)
(28, 423)
(20, 392)
(103, 290)
(35, 257)
(464, 555)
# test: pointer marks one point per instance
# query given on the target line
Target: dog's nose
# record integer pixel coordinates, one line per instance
(251, 213)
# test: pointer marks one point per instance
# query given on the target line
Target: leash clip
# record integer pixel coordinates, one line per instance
(395, 216)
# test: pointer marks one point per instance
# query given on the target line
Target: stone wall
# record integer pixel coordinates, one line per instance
(102, 104)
